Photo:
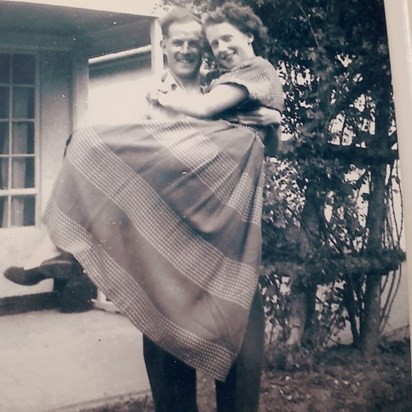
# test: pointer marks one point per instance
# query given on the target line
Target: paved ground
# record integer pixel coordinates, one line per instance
(50, 360)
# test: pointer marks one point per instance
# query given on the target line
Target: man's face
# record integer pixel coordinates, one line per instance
(183, 48)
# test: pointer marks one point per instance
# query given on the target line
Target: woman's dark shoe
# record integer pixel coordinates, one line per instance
(24, 277)
(63, 266)
(59, 267)
(75, 289)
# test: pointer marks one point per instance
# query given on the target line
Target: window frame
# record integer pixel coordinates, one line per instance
(11, 192)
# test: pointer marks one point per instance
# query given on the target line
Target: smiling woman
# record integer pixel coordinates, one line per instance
(229, 45)
(237, 29)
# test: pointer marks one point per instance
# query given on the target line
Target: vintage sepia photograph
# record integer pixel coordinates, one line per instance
(205, 205)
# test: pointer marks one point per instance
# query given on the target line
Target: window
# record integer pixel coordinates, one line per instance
(18, 192)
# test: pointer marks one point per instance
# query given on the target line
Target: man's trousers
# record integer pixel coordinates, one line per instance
(173, 383)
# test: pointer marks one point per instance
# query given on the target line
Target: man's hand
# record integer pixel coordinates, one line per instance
(260, 117)
(272, 140)
(265, 117)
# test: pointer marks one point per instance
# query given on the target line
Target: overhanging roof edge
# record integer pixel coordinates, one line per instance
(134, 7)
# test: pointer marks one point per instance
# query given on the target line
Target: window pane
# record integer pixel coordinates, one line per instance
(4, 174)
(22, 210)
(23, 138)
(17, 138)
(23, 69)
(23, 102)
(4, 138)
(22, 173)
(4, 103)
(3, 212)
(4, 68)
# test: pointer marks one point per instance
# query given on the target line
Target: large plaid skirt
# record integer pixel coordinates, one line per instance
(165, 218)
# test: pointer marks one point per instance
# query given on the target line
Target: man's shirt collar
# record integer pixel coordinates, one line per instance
(169, 83)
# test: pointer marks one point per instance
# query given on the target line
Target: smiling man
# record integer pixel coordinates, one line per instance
(173, 383)
(182, 44)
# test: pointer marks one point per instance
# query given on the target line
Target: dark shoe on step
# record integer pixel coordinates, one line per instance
(63, 266)
(24, 277)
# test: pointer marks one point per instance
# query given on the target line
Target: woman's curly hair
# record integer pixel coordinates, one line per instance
(245, 20)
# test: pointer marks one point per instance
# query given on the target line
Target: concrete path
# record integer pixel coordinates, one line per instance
(50, 360)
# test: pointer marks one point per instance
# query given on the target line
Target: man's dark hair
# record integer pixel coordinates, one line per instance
(177, 15)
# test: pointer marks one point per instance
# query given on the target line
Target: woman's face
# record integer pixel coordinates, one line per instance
(229, 45)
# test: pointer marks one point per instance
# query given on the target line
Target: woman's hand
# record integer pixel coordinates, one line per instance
(262, 116)
(169, 99)
(163, 99)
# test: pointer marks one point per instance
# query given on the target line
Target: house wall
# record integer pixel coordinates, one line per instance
(117, 89)
(56, 116)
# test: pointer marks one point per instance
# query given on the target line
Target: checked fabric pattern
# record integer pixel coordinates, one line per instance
(164, 216)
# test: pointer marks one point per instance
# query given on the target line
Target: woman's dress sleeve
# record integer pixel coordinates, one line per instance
(261, 81)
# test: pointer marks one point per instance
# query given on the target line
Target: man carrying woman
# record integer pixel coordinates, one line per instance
(164, 215)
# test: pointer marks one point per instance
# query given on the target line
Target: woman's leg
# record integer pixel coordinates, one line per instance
(240, 391)
(172, 382)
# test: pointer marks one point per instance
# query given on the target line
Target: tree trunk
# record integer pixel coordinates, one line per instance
(302, 313)
(372, 310)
